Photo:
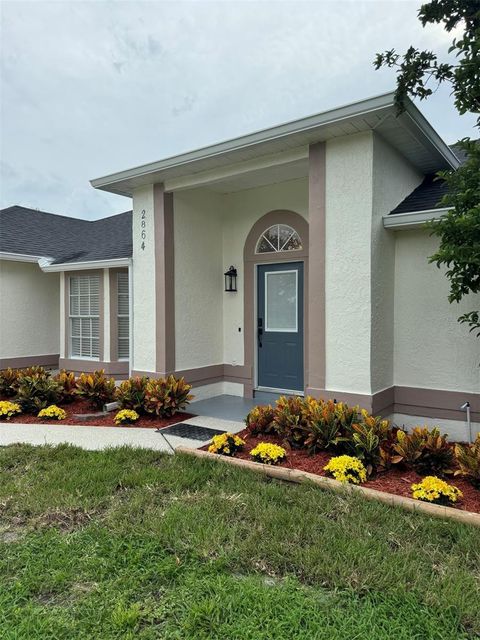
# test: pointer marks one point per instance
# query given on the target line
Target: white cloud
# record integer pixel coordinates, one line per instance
(93, 87)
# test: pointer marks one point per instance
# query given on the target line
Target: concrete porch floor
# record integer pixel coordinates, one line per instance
(232, 408)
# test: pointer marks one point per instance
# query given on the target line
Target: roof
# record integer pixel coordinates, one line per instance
(428, 195)
(409, 132)
(31, 232)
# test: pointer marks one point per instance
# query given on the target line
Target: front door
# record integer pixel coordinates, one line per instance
(280, 326)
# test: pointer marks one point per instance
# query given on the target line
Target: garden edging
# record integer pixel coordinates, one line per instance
(293, 475)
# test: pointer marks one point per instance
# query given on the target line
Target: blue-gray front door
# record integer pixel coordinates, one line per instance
(280, 326)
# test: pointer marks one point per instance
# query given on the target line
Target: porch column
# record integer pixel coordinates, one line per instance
(315, 342)
(164, 280)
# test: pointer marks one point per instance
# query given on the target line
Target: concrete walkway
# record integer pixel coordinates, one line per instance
(94, 438)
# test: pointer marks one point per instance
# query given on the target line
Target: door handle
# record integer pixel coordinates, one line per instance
(260, 334)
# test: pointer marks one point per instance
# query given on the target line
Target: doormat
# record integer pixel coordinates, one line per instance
(193, 431)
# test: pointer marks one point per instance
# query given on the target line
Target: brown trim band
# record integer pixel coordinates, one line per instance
(202, 376)
(316, 265)
(117, 369)
(250, 261)
(413, 401)
(50, 360)
(164, 278)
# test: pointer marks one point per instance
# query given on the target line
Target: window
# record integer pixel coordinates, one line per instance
(123, 316)
(281, 295)
(279, 237)
(84, 316)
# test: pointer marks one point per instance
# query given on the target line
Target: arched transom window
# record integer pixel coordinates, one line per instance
(278, 237)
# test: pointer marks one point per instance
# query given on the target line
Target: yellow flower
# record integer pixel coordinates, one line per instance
(126, 416)
(226, 444)
(53, 413)
(346, 469)
(268, 453)
(9, 409)
(435, 490)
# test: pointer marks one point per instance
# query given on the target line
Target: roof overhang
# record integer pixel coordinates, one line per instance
(409, 132)
(19, 257)
(47, 266)
(412, 220)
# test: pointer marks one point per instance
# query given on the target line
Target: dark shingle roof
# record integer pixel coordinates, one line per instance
(428, 195)
(38, 233)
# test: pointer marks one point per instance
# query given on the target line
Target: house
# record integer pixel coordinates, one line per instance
(323, 220)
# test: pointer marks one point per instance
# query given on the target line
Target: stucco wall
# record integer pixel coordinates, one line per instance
(143, 272)
(198, 279)
(240, 212)
(432, 350)
(29, 310)
(393, 179)
(348, 262)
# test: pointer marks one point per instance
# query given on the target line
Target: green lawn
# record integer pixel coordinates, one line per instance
(136, 544)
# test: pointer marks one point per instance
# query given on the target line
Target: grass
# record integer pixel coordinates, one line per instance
(135, 544)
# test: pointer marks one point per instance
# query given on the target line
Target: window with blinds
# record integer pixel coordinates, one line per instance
(123, 316)
(84, 308)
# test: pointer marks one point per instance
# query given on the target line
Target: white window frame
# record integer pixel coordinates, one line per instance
(123, 315)
(80, 316)
(267, 328)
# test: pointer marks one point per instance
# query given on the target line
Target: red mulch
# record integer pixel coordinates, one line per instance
(397, 481)
(105, 420)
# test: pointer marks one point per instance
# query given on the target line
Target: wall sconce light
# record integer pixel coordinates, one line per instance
(231, 279)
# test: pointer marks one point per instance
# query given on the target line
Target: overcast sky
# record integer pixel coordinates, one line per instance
(88, 88)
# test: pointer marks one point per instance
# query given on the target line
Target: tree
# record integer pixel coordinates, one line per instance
(459, 229)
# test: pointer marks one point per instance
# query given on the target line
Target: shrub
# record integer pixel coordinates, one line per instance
(261, 420)
(425, 450)
(436, 491)
(468, 459)
(37, 392)
(324, 426)
(52, 413)
(166, 396)
(226, 444)
(346, 469)
(96, 388)
(292, 418)
(367, 439)
(126, 416)
(8, 379)
(68, 384)
(438, 457)
(131, 394)
(268, 453)
(9, 409)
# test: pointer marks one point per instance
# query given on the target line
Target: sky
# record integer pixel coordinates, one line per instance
(89, 88)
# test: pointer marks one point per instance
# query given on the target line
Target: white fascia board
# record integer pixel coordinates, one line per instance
(412, 220)
(413, 119)
(303, 125)
(20, 257)
(81, 266)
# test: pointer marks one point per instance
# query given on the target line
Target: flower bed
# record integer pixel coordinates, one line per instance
(366, 450)
(397, 481)
(41, 397)
(79, 407)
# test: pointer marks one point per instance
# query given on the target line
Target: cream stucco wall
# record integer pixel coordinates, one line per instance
(432, 350)
(393, 179)
(29, 310)
(198, 279)
(240, 212)
(349, 165)
(143, 273)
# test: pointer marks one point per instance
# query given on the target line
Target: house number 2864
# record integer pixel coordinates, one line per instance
(143, 225)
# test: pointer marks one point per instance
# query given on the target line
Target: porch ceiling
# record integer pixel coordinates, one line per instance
(409, 132)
